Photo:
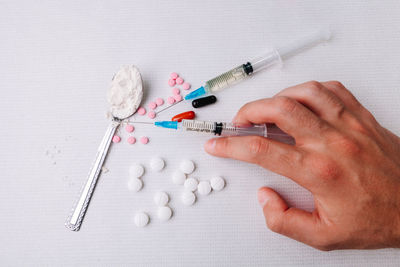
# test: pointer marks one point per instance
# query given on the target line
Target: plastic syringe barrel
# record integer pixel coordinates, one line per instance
(266, 130)
(277, 55)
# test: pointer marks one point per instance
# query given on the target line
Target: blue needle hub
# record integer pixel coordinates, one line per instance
(196, 93)
(167, 124)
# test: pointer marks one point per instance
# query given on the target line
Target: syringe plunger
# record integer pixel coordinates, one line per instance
(306, 42)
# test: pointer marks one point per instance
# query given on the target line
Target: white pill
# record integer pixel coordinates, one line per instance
(178, 177)
(161, 198)
(217, 183)
(188, 198)
(136, 170)
(157, 164)
(187, 166)
(141, 219)
(204, 188)
(135, 184)
(191, 184)
(164, 213)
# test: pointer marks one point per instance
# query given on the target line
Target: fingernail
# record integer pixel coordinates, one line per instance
(234, 120)
(262, 197)
(210, 145)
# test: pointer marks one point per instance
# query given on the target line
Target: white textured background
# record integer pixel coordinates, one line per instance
(56, 61)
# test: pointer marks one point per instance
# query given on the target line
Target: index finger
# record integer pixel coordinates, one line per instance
(288, 114)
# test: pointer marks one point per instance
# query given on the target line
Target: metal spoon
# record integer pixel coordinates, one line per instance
(75, 219)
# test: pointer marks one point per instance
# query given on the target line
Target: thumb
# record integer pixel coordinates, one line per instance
(292, 222)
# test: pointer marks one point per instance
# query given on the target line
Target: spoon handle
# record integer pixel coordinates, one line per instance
(75, 219)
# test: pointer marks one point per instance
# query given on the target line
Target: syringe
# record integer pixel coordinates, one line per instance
(259, 63)
(228, 129)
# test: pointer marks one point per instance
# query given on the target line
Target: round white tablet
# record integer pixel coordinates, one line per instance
(136, 170)
(188, 198)
(141, 219)
(135, 184)
(157, 164)
(161, 198)
(204, 188)
(217, 183)
(164, 213)
(178, 177)
(191, 184)
(186, 166)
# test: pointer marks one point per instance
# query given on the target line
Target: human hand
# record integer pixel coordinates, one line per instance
(349, 162)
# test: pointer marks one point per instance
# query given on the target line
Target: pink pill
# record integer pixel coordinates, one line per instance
(186, 86)
(116, 139)
(178, 98)
(176, 91)
(151, 114)
(144, 140)
(171, 82)
(179, 80)
(174, 75)
(171, 100)
(129, 128)
(131, 140)
(152, 105)
(141, 111)
(159, 101)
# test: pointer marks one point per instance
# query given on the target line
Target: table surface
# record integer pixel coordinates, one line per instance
(56, 62)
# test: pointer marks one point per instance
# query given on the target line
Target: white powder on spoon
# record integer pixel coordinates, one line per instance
(125, 92)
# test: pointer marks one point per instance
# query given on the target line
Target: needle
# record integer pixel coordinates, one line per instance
(158, 112)
(142, 122)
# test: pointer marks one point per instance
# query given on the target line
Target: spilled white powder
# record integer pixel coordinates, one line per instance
(126, 92)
